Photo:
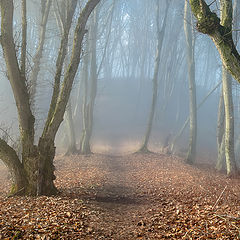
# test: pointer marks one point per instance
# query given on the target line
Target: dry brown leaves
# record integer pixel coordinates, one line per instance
(139, 196)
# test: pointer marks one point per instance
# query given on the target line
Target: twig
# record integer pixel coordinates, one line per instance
(211, 3)
(16, 193)
(4, 131)
(232, 218)
(220, 196)
(185, 235)
(228, 216)
(206, 227)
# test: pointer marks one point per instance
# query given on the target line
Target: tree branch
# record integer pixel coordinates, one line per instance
(46, 5)
(17, 80)
(209, 23)
(59, 64)
(24, 38)
(9, 157)
(57, 117)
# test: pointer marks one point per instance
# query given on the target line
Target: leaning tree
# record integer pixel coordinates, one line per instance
(221, 33)
(33, 171)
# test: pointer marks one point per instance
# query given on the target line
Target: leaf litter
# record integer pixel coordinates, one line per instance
(137, 196)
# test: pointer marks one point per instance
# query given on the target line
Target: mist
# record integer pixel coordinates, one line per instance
(119, 88)
(125, 53)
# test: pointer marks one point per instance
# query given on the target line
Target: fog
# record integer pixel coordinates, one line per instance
(126, 42)
(119, 119)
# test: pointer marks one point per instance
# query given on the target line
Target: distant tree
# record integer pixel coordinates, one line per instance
(34, 171)
(63, 13)
(191, 155)
(220, 134)
(160, 36)
(45, 9)
(90, 86)
(72, 148)
(92, 65)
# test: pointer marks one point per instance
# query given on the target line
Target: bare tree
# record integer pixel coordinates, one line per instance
(192, 85)
(160, 36)
(34, 172)
(90, 87)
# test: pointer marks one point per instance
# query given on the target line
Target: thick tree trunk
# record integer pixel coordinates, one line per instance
(226, 21)
(36, 176)
(191, 155)
(45, 184)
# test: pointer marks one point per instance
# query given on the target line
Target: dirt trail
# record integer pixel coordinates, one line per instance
(138, 196)
(152, 196)
(118, 201)
(116, 189)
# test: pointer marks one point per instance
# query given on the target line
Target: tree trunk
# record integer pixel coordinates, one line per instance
(191, 155)
(24, 37)
(90, 89)
(229, 123)
(160, 36)
(72, 149)
(85, 149)
(220, 134)
(179, 134)
(45, 184)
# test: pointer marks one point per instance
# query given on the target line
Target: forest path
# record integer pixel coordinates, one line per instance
(114, 193)
(117, 200)
(154, 196)
(137, 196)
(117, 188)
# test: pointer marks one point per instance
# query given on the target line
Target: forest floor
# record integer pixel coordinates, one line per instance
(138, 196)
